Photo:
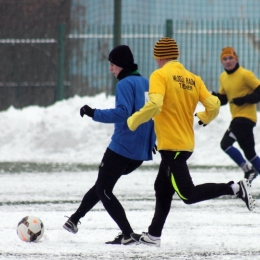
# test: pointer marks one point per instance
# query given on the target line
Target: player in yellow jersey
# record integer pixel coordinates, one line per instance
(174, 93)
(241, 89)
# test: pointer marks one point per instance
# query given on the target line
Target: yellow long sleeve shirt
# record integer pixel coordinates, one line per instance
(238, 84)
(174, 93)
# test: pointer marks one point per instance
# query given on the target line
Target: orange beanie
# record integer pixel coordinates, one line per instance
(228, 51)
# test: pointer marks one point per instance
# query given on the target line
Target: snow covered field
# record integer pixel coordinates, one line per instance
(44, 158)
(218, 229)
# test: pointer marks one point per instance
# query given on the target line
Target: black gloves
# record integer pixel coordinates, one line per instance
(214, 93)
(154, 149)
(200, 122)
(252, 98)
(239, 101)
(86, 110)
(222, 98)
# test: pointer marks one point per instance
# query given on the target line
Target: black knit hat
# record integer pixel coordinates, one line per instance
(121, 56)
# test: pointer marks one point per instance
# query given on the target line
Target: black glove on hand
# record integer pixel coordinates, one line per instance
(154, 149)
(200, 122)
(86, 110)
(214, 93)
(239, 101)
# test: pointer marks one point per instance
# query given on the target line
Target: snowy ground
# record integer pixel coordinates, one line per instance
(218, 229)
(49, 158)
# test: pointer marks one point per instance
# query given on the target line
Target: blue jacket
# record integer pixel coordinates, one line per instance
(130, 97)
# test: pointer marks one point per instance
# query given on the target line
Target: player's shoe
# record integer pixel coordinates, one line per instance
(244, 194)
(146, 239)
(71, 226)
(121, 239)
(251, 175)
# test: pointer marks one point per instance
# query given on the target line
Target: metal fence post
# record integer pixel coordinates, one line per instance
(117, 33)
(169, 28)
(59, 95)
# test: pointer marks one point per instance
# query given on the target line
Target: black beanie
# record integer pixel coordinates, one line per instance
(121, 56)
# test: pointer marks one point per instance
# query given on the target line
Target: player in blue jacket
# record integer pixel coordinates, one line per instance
(127, 149)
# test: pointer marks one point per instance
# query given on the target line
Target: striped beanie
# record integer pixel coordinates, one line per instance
(228, 51)
(166, 48)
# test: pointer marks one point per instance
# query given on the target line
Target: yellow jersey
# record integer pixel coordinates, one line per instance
(174, 93)
(238, 84)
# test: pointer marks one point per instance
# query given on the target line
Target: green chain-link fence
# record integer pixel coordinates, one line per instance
(54, 49)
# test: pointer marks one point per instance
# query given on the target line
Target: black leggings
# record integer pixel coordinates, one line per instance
(174, 176)
(112, 167)
(243, 134)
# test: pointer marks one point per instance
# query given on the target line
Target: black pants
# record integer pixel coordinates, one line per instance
(174, 176)
(112, 167)
(240, 130)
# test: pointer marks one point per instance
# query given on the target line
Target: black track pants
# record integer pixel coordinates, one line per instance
(243, 134)
(174, 176)
(112, 167)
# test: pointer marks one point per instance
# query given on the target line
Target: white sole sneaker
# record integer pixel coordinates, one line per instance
(244, 194)
(145, 239)
(70, 226)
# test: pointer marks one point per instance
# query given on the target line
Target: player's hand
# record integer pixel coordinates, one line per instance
(86, 110)
(214, 94)
(239, 101)
(200, 122)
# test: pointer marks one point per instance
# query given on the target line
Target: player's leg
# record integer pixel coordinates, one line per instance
(190, 194)
(163, 194)
(227, 146)
(89, 200)
(245, 139)
(112, 168)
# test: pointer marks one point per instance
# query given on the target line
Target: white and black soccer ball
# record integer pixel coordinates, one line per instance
(30, 229)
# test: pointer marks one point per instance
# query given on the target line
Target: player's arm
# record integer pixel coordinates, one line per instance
(252, 98)
(221, 94)
(222, 98)
(212, 105)
(148, 111)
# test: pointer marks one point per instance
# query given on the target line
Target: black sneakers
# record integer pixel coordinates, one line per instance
(244, 194)
(71, 226)
(251, 175)
(121, 239)
(146, 239)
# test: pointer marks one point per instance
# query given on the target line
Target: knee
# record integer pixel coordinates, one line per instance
(188, 196)
(224, 145)
(188, 201)
(249, 152)
(165, 191)
(100, 191)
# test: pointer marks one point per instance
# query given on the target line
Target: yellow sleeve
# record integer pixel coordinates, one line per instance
(212, 105)
(152, 108)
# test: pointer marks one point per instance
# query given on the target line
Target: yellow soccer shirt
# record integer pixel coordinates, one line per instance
(174, 94)
(181, 90)
(239, 84)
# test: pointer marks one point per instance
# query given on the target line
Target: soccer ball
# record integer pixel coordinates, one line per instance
(30, 229)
